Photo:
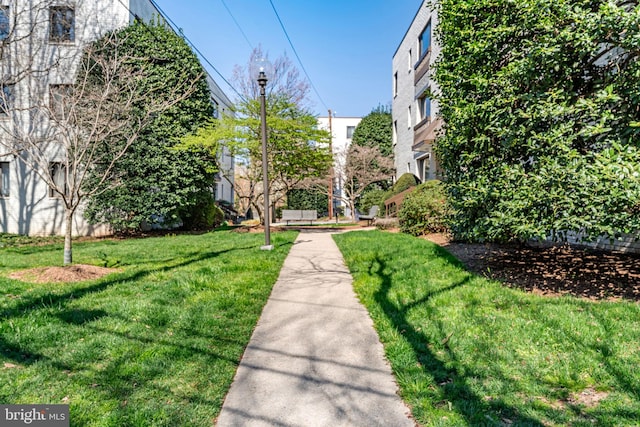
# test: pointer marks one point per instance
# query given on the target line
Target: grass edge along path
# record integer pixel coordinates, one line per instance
(157, 344)
(469, 351)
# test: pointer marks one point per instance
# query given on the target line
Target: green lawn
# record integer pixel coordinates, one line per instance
(468, 351)
(156, 344)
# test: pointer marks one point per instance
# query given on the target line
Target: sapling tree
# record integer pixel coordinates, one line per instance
(64, 133)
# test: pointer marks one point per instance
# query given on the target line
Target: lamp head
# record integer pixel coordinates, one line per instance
(261, 70)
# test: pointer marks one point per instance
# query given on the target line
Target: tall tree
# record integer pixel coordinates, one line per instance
(297, 149)
(156, 183)
(541, 102)
(376, 130)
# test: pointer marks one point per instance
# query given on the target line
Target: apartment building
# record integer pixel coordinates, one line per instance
(341, 129)
(415, 114)
(41, 46)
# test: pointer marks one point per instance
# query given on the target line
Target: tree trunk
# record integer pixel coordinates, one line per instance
(68, 257)
(352, 206)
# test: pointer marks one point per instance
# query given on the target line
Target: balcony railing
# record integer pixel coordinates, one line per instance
(426, 130)
(422, 66)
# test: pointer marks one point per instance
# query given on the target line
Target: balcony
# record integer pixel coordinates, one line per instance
(422, 67)
(425, 132)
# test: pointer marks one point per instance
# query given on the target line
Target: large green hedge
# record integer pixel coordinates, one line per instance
(156, 182)
(376, 130)
(541, 101)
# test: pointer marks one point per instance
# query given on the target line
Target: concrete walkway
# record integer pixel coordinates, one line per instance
(314, 358)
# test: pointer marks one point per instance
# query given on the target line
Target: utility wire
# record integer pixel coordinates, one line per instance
(237, 24)
(194, 47)
(139, 20)
(297, 56)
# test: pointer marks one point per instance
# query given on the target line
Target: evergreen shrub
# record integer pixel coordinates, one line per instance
(425, 210)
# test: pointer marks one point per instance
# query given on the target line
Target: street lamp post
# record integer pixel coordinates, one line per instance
(262, 82)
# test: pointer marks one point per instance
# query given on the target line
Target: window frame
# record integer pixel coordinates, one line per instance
(395, 84)
(55, 170)
(350, 130)
(424, 107)
(63, 33)
(5, 180)
(394, 136)
(57, 98)
(5, 11)
(216, 109)
(424, 51)
(423, 165)
(6, 98)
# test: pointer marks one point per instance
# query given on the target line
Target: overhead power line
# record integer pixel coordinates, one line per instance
(237, 24)
(298, 56)
(195, 48)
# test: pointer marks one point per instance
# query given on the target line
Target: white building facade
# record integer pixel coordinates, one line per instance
(44, 39)
(341, 130)
(415, 114)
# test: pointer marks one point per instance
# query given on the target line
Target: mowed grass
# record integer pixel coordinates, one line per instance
(469, 351)
(155, 344)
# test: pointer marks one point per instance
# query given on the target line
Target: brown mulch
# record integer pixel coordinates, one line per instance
(554, 270)
(66, 274)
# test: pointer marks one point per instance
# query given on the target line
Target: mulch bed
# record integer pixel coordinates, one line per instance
(554, 270)
(66, 274)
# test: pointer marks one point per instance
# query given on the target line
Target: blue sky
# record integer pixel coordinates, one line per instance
(346, 46)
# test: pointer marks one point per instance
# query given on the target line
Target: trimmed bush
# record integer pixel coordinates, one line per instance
(373, 197)
(205, 215)
(308, 199)
(425, 210)
(406, 181)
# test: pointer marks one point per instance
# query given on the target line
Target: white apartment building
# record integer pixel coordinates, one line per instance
(43, 40)
(341, 130)
(415, 114)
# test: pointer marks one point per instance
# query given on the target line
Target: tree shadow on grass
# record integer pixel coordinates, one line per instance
(54, 299)
(451, 383)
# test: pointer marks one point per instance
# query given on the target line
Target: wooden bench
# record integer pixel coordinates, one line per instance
(299, 215)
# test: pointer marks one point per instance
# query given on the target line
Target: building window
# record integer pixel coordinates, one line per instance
(425, 40)
(62, 22)
(410, 61)
(58, 173)
(395, 84)
(350, 130)
(409, 118)
(423, 167)
(5, 25)
(216, 108)
(6, 99)
(395, 133)
(424, 103)
(58, 98)
(4, 179)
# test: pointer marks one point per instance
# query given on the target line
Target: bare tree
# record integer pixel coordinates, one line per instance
(60, 132)
(359, 167)
(284, 80)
